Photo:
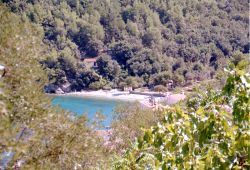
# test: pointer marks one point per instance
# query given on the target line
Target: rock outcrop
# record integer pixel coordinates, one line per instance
(52, 88)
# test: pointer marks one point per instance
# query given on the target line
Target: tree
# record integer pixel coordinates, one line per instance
(193, 31)
(152, 36)
(39, 135)
(210, 132)
(122, 52)
(129, 120)
(161, 78)
(132, 28)
(134, 82)
(98, 84)
(84, 79)
(107, 67)
(160, 88)
(67, 65)
(145, 62)
(89, 37)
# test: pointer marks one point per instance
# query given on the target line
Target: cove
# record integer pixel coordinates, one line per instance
(88, 106)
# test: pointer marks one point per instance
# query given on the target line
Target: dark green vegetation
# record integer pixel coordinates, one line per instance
(149, 41)
(41, 136)
(129, 120)
(210, 132)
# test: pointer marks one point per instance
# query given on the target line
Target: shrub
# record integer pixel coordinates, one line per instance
(160, 88)
(211, 132)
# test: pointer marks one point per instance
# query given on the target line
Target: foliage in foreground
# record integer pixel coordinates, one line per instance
(39, 136)
(212, 132)
(128, 122)
(50, 139)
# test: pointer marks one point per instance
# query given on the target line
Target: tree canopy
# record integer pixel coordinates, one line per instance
(210, 132)
(134, 43)
(189, 39)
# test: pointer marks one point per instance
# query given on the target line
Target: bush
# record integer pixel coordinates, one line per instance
(107, 87)
(160, 88)
(134, 82)
(98, 84)
(211, 132)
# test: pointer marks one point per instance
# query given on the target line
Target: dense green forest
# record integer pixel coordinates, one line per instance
(208, 131)
(136, 42)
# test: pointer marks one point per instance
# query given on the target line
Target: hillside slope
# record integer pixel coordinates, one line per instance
(136, 43)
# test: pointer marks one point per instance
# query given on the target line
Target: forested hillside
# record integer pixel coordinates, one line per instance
(136, 42)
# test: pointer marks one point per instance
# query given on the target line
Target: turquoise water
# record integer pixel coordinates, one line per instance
(88, 106)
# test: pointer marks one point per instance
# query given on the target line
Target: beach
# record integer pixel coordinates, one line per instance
(114, 94)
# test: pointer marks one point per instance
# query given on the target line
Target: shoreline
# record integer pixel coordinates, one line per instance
(112, 95)
(118, 95)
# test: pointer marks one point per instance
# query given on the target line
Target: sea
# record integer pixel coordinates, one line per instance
(88, 106)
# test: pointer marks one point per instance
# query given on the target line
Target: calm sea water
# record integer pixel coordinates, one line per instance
(88, 106)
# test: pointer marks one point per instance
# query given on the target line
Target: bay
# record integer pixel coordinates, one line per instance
(88, 106)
